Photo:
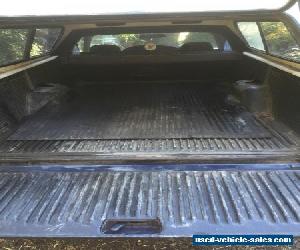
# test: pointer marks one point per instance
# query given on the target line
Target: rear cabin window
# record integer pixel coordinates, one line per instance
(134, 43)
(278, 40)
(12, 45)
(44, 40)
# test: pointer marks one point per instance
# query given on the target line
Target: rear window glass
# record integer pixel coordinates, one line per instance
(44, 41)
(251, 33)
(152, 41)
(12, 45)
(279, 40)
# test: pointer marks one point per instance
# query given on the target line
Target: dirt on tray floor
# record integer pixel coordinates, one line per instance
(117, 243)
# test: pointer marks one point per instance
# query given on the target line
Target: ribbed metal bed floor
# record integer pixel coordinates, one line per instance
(150, 111)
(75, 126)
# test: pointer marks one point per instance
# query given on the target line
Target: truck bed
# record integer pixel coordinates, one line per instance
(142, 111)
(139, 118)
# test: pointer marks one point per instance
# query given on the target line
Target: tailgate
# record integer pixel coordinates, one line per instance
(93, 201)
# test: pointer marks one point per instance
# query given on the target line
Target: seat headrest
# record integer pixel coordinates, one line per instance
(135, 50)
(196, 47)
(105, 49)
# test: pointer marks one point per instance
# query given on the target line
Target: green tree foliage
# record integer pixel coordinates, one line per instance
(128, 38)
(13, 42)
(36, 49)
(277, 36)
(279, 40)
(12, 45)
(44, 40)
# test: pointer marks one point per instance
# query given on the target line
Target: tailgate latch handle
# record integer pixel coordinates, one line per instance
(131, 226)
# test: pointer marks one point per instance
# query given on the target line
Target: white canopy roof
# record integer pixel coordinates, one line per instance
(98, 7)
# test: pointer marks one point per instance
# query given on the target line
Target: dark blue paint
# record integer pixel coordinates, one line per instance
(149, 167)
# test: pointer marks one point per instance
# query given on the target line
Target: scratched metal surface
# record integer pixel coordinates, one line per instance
(209, 145)
(66, 204)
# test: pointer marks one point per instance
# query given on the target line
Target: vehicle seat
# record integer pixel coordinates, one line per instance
(140, 50)
(196, 47)
(105, 50)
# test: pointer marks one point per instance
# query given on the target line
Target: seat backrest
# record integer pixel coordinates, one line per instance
(159, 50)
(195, 47)
(105, 50)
